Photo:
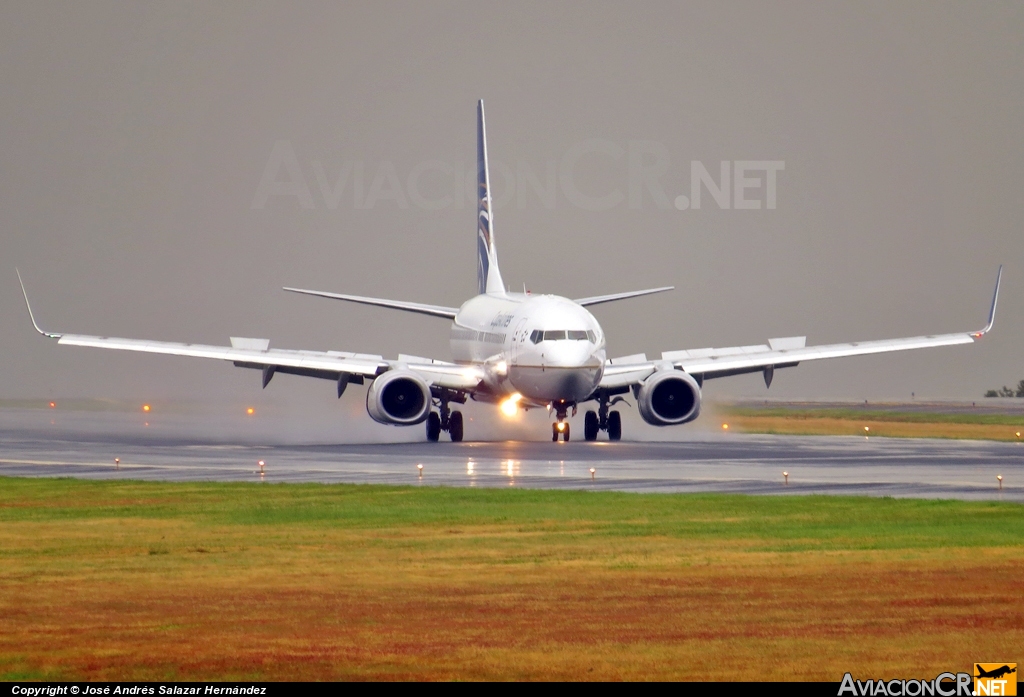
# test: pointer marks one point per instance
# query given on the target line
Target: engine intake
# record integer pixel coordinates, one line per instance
(669, 397)
(399, 397)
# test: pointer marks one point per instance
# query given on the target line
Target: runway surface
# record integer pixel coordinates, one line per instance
(736, 463)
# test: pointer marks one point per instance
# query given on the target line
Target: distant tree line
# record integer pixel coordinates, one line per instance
(1007, 391)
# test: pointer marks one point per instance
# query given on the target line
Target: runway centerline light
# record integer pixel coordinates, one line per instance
(145, 407)
(250, 411)
(53, 405)
(725, 427)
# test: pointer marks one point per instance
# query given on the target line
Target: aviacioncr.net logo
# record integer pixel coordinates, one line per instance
(942, 685)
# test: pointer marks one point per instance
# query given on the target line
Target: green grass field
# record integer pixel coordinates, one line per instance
(126, 580)
(888, 415)
(880, 422)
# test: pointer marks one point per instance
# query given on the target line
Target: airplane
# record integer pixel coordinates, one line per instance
(520, 351)
(996, 673)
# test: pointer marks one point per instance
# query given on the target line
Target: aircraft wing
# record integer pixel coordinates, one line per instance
(243, 350)
(341, 366)
(709, 363)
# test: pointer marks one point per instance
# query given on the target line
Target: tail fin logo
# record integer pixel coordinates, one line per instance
(487, 274)
(483, 241)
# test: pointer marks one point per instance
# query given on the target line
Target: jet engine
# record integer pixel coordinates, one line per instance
(399, 397)
(669, 397)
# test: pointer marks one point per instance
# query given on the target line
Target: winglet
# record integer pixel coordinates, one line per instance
(992, 312)
(30, 315)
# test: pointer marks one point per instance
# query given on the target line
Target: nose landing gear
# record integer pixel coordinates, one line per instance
(561, 426)
(445, 419)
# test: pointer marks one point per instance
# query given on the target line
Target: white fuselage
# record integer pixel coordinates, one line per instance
(545, 347)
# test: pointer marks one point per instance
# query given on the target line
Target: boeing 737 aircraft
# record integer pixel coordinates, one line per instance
(520, 351)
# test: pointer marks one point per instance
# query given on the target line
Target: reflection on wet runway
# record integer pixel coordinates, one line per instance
(751, 464)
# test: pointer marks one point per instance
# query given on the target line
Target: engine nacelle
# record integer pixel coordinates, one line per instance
(669, 397)
(399, 397)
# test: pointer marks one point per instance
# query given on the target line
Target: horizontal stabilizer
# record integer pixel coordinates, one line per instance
(598, 299)
(421, 308)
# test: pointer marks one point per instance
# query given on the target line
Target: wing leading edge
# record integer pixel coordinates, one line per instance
(787, 352)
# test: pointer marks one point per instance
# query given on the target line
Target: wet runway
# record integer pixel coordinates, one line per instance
(737, 463)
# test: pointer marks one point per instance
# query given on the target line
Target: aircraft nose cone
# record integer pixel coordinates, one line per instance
(569, 354)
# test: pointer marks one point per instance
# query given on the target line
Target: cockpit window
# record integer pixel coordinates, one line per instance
(538, 336)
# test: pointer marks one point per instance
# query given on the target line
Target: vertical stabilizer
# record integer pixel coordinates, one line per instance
(487, 274)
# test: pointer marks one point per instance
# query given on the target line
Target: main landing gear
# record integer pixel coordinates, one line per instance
(445, 419)
(603, 420)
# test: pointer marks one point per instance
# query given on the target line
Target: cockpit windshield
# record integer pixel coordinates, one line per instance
(539, 335)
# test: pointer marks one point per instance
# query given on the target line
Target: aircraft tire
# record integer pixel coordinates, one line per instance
(614, 426)
(455, 426)
(433, 427)
(590, 426)
(554, 433)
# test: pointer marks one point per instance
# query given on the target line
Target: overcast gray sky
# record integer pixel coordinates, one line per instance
(136, 136)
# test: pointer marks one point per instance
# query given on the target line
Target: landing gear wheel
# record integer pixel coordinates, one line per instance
(554, 433)
(455, 426)
(565, 433)
(433, 427)
(614, 426)
(590, 426)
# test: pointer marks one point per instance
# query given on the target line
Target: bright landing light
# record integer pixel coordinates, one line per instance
(511, 405)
